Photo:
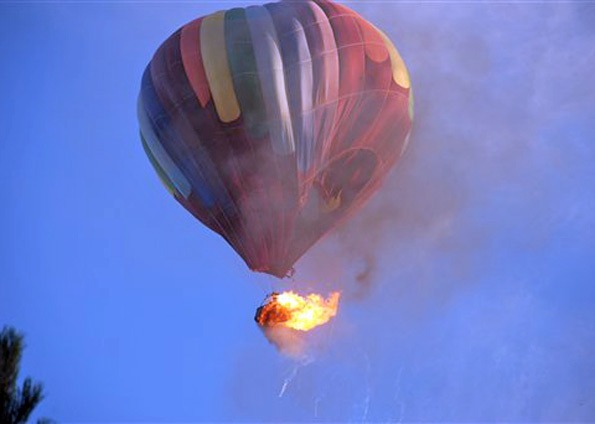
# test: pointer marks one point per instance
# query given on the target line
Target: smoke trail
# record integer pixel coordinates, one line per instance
(487, 94)
(470, 267)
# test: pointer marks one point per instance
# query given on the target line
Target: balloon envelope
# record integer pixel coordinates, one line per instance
(272, 124)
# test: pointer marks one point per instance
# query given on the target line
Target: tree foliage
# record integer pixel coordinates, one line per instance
(16, 403)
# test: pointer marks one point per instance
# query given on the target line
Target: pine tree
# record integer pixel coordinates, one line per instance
(16, 404)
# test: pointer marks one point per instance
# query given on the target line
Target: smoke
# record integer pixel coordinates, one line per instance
(466, 280)
(288, 341)
(488, 93)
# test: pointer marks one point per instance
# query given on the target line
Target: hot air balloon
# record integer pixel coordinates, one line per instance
(272, 124)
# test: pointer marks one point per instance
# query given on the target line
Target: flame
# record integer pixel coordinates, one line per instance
(291, 310)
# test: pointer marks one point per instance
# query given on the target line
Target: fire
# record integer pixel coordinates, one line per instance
(291, 310)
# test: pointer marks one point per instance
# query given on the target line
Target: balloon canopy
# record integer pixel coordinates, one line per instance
(272, 124)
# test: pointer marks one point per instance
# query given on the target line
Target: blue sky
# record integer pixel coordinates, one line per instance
(479, 303)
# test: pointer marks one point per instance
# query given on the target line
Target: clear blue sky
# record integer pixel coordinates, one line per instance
(481, 302)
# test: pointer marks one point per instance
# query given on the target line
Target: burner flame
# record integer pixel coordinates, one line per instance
(293, 311)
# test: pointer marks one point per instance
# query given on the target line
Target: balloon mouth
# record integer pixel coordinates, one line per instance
(279, 272)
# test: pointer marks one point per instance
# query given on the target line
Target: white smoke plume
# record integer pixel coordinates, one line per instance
(466, 278)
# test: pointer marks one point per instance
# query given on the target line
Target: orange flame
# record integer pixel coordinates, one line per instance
(291, 310)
